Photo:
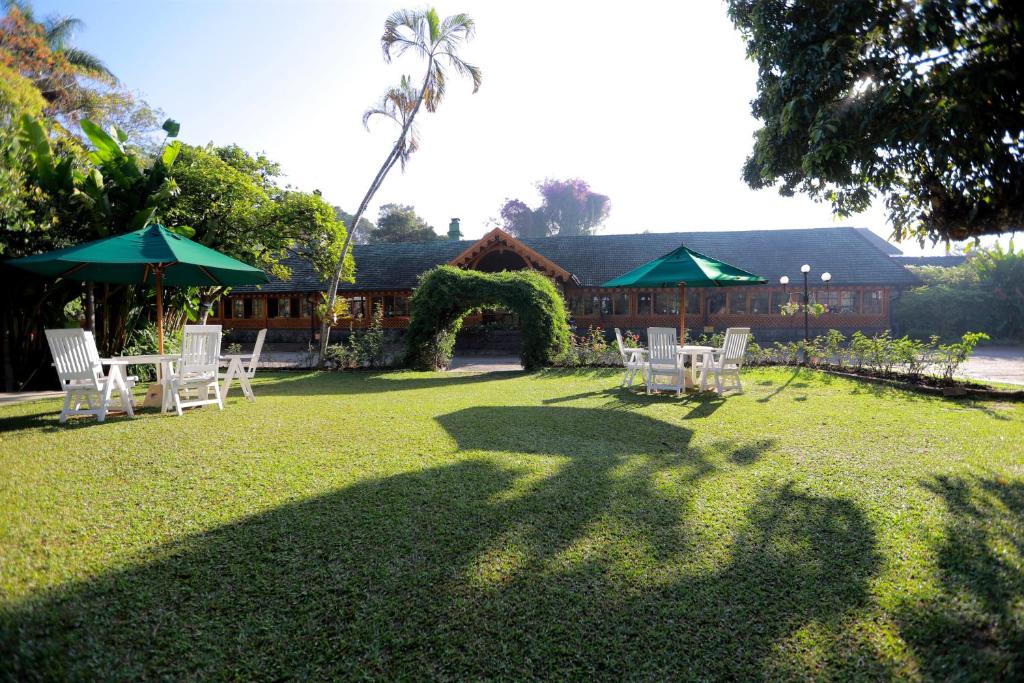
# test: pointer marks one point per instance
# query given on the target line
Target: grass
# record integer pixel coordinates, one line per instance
(548, 525)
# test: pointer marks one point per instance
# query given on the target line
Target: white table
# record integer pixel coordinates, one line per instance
(694, 351)
(162, 362)
(237, 369)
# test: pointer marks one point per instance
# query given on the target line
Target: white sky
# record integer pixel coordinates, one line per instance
(648, 102)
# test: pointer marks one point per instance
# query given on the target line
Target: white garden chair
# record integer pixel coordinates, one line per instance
(632, 360)
(246, 373)
(728, 360)
(81, 375)
(664, 366)
(196, 368)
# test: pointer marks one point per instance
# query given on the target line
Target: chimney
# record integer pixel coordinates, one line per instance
(453, 230)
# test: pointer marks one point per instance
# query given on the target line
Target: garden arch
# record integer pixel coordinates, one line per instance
(446, 295)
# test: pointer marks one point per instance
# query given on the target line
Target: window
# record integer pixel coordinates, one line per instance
(575, 305)
(738, 302)
(238, 308)
(396, 306)
(307, 308)
(666, 303)
(615, 304)
(760, 303)
(716, 303)
(829, 299)
(258, 309)
(779, 299)
(356, 307)
(643, 303)
(873, 302)
(692, 300)
(848, 301)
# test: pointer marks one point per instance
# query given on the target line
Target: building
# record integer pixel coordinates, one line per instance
(865, 281)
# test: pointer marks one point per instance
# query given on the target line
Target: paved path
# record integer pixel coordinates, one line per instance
(996, 364)
(10, 398)
(469, 363)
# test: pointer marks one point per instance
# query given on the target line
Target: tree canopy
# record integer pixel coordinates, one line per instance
(568, 207)
(916, 102)
(401, 223)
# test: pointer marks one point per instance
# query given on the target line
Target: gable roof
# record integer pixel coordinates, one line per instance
(879, 242)
(844, 252)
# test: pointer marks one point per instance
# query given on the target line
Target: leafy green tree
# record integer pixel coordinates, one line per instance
(918, 102)
(436, 40)
(568, 207)
(401, 223)
(361, 232)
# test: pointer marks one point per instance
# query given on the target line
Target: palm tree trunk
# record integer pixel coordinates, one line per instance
(332, 287)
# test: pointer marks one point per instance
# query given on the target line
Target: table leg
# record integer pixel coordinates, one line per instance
(163, 376)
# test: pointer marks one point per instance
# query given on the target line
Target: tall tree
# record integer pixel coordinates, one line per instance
(362, 229)
(917, 102)
(438, 41)
(401, 223)
(568, 207)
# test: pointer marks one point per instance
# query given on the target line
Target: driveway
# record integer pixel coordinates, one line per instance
(996, 364)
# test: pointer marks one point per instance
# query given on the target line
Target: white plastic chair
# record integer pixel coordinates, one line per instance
(728, 360)
(663, 361)
(632, 360)
(81, 375)
(196, 368)
(249, 371)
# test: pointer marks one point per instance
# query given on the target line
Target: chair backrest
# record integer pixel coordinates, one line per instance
(735, 345)
(622, 347)
(251, 370)
(662, 344)
(200, 350)
(75, 356)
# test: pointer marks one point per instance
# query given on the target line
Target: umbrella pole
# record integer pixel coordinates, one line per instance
(159, 273)
(682, 313)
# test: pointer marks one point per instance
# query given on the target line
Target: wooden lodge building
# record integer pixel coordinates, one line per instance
(866, 278)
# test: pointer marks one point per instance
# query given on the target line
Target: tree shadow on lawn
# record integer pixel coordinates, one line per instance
(973, 628)
(369, 382)
(477, 569)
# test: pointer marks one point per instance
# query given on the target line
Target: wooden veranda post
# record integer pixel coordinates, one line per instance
(682, 313)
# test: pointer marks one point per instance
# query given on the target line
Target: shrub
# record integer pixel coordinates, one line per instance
(951, 356)
(446, 295)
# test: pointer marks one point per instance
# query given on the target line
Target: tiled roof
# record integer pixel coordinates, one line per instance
(879, 241)
(849, 256)
(945, 261)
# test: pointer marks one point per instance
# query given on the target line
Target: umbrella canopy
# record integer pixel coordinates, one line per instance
(682, 267)
(137, 257)
(151, 256)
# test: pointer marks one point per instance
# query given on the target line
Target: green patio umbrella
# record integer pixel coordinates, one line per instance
(152, 256)
(682, 267)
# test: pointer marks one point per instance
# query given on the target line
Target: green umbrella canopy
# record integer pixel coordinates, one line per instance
(133, 257)
(685, 267)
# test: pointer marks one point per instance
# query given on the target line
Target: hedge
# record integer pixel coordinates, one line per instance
(446, 295)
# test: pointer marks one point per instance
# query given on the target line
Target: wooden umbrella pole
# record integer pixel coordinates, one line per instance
(159, 273)
(682, 313)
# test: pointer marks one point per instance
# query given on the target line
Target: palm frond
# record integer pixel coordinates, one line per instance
(59, 30)
(463, 68)
(397, 30)
(88, 63)
(435, 87)
(458, 27)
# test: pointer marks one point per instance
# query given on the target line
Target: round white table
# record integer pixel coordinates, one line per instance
(162, 363)
(705, 353)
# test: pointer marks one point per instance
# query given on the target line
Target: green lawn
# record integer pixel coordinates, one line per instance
(542, 525)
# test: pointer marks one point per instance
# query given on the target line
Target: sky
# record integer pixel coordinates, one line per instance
(646, 101)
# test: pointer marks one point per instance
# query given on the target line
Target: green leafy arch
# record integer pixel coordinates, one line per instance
(446, 295)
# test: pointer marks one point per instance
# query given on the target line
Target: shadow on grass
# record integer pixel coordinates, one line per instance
(476, 570)
(973, 628)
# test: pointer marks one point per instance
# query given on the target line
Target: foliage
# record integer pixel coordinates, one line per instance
(446, 295)
(363, 348)
(794, 308)
(984, 293)
(568, 207)
(953, 355)
(361, 232)
(401, 223)
(517, 526)
(438, 41)
(593, 349)
(918, 102)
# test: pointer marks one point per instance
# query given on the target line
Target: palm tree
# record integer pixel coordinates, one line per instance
(61, 87)
(438, 41)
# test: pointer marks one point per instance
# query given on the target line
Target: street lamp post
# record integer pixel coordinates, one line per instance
(805, 269)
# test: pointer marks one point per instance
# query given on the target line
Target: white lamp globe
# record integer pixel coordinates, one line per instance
(805, 268)
(784, 280)
(825, 277)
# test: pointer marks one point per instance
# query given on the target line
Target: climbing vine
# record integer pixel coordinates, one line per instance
(446, 295)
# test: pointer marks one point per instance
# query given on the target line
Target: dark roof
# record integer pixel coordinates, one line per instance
(849, 256)
(879, 242)
(944, 261)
